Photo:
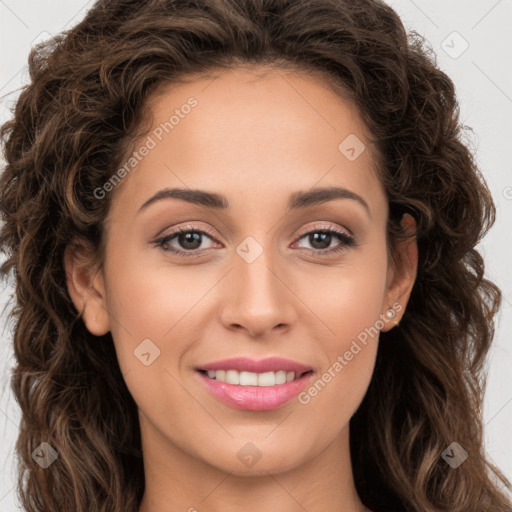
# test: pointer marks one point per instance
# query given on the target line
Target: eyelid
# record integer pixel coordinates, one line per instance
(187, 227)
(303, 232)
(326, 227)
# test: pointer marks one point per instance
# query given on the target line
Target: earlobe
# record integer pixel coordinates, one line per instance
(403, 277)
(86, 289)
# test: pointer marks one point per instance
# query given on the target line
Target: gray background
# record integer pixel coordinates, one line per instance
(483, 77)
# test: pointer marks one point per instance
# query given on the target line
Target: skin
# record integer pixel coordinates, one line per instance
(255, 139)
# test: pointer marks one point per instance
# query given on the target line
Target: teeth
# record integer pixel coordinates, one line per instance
(250, 378)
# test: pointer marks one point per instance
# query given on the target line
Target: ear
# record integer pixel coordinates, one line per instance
(401, 277)
(86, 287)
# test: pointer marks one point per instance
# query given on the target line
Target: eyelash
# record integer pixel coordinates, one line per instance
(347, 241)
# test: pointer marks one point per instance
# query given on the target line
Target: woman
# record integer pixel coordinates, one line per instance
(178, 346)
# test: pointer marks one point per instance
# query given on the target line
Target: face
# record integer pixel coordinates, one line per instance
(265, 273)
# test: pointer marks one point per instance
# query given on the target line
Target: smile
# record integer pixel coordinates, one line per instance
(251, 378)
(259, 397)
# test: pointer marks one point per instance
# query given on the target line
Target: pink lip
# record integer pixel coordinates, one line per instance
(256, 398)
(245, 364)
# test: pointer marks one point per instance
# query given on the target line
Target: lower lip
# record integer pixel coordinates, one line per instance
(256, 398)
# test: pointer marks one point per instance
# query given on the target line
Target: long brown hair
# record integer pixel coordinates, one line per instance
(72, 127)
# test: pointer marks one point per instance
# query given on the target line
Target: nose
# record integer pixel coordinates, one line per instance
(258, 298)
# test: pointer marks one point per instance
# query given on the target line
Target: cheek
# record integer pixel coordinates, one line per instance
(146, 302)
(149, 298)
(346, 299)
(160, 305)
(349, 304)
(349, 354)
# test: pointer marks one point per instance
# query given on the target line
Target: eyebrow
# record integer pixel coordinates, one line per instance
(296, 200)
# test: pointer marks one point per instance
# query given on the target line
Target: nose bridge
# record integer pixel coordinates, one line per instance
(259, 300)
(256, 284)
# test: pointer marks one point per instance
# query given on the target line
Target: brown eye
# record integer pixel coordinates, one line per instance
(320, 240)
(186, 241)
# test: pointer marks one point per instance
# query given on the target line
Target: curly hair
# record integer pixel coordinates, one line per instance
(73, 125)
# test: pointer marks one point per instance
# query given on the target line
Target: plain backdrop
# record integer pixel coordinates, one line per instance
(472, 40)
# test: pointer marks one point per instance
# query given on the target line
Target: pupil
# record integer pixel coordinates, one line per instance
(313, 239)
(190, 238)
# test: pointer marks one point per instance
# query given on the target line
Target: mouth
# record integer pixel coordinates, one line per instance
(251, 391)
(245, 378)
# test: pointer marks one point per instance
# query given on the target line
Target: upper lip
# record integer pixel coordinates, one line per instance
(245, 364)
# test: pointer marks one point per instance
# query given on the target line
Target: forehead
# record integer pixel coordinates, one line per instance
(253, 133)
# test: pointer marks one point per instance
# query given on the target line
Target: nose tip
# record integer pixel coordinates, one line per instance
(257, 301)
(254, 333)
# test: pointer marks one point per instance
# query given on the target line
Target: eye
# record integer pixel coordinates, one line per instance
(189, 241)
(321, 238)
(188, 238)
